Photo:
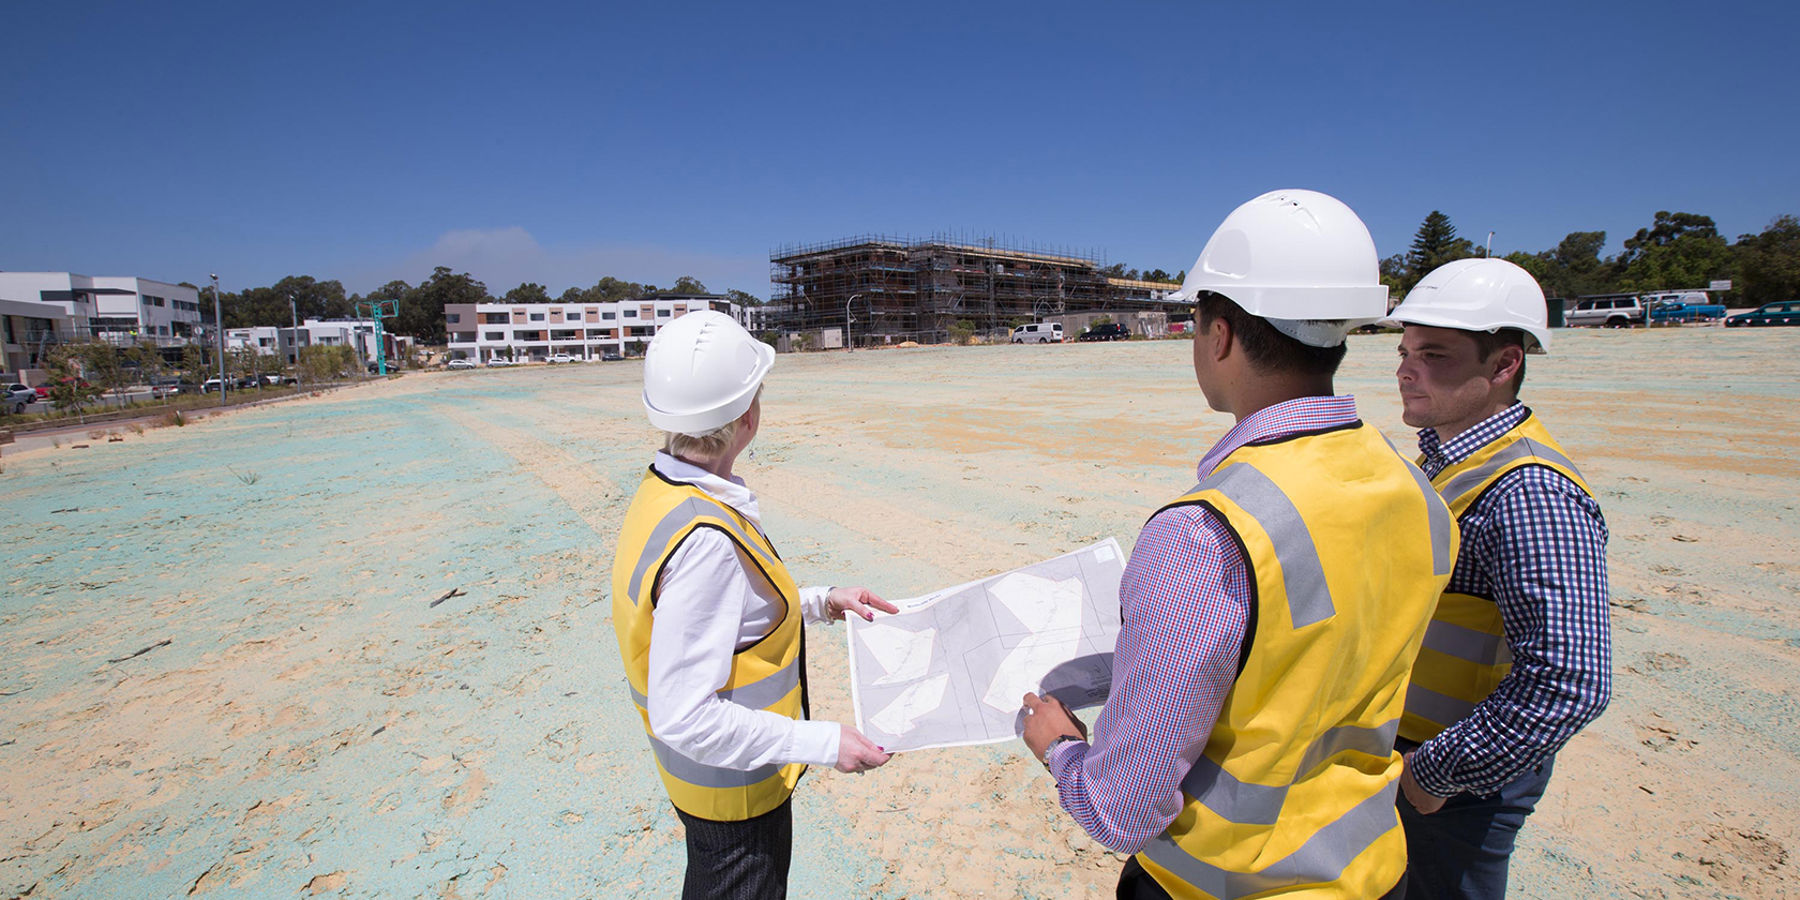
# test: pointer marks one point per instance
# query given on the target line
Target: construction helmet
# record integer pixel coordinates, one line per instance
(702, 371)
(1478, 295)
(1300, 259)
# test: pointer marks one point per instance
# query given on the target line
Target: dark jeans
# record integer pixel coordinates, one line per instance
(1137, 884)
(745, 860)
(1462, 850)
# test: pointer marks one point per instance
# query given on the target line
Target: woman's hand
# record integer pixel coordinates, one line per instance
(856, 753)
(858, 600)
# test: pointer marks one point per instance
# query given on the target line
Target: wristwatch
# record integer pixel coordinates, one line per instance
(1051, 747)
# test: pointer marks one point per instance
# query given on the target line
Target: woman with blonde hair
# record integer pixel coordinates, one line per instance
(709, 621)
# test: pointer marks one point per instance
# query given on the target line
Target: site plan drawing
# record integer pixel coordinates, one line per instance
(951, 667)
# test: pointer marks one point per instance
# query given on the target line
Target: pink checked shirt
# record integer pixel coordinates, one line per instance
(1184, 604)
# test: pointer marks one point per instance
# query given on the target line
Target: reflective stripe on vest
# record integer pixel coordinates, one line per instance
(686, 769)
(1439, 517)
(672, 524)
(1260, 804)
(1522, 448)
(1309, 597)
(1322, 859)
(1477, 647)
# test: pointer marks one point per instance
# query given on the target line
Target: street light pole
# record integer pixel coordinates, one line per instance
(1490, 245)
(219, 326)
(850, 342)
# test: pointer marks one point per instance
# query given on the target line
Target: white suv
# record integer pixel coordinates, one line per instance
(1612, 312)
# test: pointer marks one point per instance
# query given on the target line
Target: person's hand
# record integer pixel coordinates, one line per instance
(859, 600)
(1422, 800)
(856, 753)
(1046, 719)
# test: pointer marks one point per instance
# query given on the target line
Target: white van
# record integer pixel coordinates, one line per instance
(1038, 333)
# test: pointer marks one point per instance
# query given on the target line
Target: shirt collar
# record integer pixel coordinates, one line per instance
(732, 492)
(1280, 420)
(1440, 454)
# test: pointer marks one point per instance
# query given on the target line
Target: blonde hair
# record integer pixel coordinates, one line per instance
(708, 446)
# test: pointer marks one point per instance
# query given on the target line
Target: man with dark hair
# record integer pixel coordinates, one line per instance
(1270, 615)
(1518, 656)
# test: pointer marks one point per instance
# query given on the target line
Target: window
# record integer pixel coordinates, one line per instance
(630, 314)
(494, 336)
(662, 313)
(498, 318)
(608, 316)
(537, 317)
(453, 318)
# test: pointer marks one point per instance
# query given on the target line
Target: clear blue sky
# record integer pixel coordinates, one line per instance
(561, 142)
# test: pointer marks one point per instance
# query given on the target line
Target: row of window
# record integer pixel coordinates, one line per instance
(506, 318)
(152, 301)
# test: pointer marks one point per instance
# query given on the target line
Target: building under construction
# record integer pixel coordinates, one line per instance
(888, 290)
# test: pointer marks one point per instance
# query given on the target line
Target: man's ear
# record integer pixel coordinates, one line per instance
(1506, 363)
(1221, 340)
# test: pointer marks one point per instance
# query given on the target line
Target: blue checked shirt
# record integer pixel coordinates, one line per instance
(1535, 544)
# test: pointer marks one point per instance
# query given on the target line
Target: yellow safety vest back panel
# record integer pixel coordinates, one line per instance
(1348, 548)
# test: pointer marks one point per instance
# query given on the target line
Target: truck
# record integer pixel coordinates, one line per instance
(1682, 306)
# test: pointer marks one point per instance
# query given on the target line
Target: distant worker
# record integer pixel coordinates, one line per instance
(1269, 616)
(709, 620)
(1518, 656)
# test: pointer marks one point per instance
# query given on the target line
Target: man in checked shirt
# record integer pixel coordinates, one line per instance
(1518, 656)
(1269, 617)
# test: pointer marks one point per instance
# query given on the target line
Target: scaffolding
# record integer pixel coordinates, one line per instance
(898, 289)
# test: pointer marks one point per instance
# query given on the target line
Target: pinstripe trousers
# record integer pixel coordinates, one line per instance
(745, 860)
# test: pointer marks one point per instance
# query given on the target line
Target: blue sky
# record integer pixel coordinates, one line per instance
(561, 142)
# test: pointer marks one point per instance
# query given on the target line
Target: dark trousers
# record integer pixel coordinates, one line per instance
(1137, 884)
(1462, 850)
(745, 860)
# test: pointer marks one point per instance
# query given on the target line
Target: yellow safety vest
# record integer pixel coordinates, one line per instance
(1465, 654)
(1348, 548)
(769, 674)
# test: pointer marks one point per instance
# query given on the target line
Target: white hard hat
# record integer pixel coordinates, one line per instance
(702, 371)
(1478, 295)
(1300, 259)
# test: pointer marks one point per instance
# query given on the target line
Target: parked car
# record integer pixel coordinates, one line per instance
(1108, 331)
(209, 385)
(1781, 312)
(1038, 333)
(610, 356)
(276, 380)
(1611, 312)
(460, 363)
(1683, 306)
(503, 361)
(18, 397)
(246, 381)
(561, 358)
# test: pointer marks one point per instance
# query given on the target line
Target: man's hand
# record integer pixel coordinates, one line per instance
(1422, 800)
(856, 753)
(1046, 719)
(859, 600)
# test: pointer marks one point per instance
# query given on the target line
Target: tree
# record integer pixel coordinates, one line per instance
(688, 284)
(422, 308)
(1573, 269)
(69, 385)
(1678, 250)
(1158, 275)
(529, 292)
(1769, 263)
(743, 298)
(1434, 244)
(325, 362)
(572, 295)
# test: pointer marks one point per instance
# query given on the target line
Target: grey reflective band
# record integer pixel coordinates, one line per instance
(1259, 804)
(1436, 515)
(684, 769)
(1435, 707)
(1477, 647)
(760, 694)
(672, 524)
(1321, 860)
(1309, 597)
(1523, 448)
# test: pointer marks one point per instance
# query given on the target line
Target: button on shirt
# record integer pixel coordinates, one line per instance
(1534, 543)
(1184, 603)
(707, 608)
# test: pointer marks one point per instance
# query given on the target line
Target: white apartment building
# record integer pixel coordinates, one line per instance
(483, 331)
(120, 309)
(271, 340)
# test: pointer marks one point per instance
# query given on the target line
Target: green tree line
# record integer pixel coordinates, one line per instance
(1679, 250)
(421, 306)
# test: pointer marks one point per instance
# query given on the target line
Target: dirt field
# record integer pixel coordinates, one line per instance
(304, 720)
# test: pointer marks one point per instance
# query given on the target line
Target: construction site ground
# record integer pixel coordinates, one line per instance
(359, 644)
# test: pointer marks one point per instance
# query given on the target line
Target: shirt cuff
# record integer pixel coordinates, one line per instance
(813, 610)
(1429, 773)
(815, 743)
(1063, 752)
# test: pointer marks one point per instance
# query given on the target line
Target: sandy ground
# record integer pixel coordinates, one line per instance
(305, 721)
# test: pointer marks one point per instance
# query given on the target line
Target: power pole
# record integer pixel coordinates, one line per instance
(219, 326)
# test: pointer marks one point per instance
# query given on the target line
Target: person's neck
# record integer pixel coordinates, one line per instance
(1264, 392)
(1449, 431)
(720, 467)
